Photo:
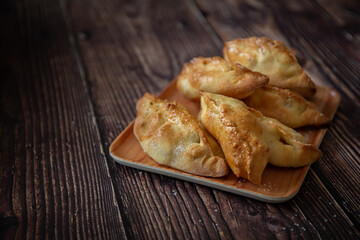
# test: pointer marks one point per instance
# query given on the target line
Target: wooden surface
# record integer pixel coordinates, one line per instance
(277, 184)
(70, 75)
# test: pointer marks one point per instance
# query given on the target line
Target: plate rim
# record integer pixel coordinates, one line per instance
(204, 182)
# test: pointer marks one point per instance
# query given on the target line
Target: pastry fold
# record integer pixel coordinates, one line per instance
(286, 106)
(272, 58)
(239, 134)
(169, 134)
(215, 75)
(250, 140)
(288, 148)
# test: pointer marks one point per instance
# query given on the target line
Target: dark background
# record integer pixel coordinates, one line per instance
(70, 75)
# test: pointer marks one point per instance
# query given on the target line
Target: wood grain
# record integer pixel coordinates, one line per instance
(308, 38)
(71, 72)
(54, 180)
(157, 43)
(345, 13)
(347, 71)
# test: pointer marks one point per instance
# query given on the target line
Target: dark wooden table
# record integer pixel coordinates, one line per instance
(71, 73)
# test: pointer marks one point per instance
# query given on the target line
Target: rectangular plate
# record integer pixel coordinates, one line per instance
(278, 184)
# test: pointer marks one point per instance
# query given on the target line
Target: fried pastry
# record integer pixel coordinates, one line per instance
(249, 139)
(169, 134)
(216, 75)
(286, 106)
(239, 134)
(272, 58)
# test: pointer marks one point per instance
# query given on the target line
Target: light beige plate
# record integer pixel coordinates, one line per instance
(278, 184)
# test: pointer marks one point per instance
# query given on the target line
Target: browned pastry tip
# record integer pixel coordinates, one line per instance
(215, 75)
(272, 58)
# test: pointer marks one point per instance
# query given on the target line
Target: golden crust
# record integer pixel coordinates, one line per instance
(169, 134)
(215, 75)
(288, 148)
(286, 106)
(250, 140)
(272, 58)
(239, 134)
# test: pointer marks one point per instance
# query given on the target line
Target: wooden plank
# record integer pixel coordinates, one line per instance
(54, 178)
(131, 65)
(345, 13)
(342, 154)
(312, 39)
(141, 50)
(322, 210)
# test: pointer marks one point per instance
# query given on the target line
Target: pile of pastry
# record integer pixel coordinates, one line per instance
(250, 102)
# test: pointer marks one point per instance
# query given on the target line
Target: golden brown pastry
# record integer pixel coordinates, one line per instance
(286, 106)
(249, 139)
(239, 134)
(288, 148)
(272, 58)
(169, 134)
(215, 75)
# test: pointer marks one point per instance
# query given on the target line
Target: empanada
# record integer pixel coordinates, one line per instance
(239, 134)
(249, 139)
(216, 75)
(169, 134)
(272, 58)
(286, 106)
(288, 148)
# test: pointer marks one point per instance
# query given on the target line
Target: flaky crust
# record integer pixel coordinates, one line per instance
(286, 106)
(239, 134)
(215, 75)
(169, 134)
(272, 58)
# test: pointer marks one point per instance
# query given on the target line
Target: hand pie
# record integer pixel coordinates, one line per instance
(273, 59)
(215, 75)
(235, 125)
(288, 148)
(169, 134)
(239, 134)
(286, 106)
